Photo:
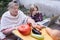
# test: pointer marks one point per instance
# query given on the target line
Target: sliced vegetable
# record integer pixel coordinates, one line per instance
(35, 31)
(38, 37)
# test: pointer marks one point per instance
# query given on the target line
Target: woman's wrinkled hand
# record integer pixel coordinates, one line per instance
(8, 30)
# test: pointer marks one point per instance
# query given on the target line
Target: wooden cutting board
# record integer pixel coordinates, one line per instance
(44, 33)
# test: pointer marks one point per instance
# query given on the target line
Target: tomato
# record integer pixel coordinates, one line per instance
(24, 29)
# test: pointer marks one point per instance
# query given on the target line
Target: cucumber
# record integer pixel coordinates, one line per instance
(38, 37)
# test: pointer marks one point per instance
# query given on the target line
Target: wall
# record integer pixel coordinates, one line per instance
(47, 7)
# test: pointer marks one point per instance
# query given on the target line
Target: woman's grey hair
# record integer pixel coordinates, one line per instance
(11, 4)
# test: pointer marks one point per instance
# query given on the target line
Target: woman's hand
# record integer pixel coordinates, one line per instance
(8, 30)
(53, 33)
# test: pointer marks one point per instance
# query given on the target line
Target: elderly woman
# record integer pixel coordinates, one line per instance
(13, 18)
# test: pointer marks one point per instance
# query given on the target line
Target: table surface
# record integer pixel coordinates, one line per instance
(44, 33)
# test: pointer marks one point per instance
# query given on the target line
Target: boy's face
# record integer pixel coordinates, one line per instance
(35, 9)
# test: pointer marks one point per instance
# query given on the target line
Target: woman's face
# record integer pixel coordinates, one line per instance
(14, 10)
